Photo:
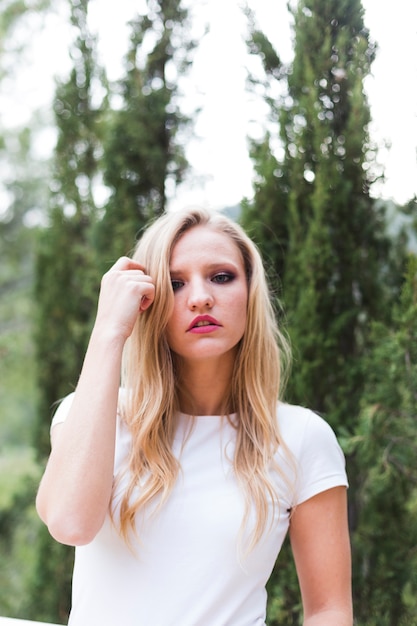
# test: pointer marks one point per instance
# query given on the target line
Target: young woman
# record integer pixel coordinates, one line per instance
(179, 486)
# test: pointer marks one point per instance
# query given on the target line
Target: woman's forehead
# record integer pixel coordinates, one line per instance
(205, 240)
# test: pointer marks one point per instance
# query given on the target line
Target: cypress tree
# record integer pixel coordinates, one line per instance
(264, 216)
(332, 250)
(66, 284)
(312, 212)
(143, 154)
(139, 154)
(336, 234)
(385, 446)
(66, 281)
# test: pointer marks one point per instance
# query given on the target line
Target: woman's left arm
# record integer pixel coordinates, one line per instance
(320, 543)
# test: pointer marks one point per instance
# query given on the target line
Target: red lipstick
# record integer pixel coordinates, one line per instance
(203, 324)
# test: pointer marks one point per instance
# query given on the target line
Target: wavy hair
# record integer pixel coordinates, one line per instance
(149, 374)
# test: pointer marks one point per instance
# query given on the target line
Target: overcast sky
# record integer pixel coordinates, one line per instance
(221, 170)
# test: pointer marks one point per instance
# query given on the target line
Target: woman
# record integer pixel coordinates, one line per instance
(178, 489)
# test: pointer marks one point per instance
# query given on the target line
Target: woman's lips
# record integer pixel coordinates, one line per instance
(203, 324)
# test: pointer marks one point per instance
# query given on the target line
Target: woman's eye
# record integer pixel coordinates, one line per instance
(223, 277)
(176, 284)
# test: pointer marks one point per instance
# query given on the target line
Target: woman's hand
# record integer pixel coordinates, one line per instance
(126, 291)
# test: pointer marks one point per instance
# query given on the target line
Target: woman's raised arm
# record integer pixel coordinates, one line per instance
(75, 490)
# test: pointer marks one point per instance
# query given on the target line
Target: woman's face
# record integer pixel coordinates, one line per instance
(210, 295)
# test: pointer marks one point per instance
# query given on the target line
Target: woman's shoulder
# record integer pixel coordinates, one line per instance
(292, 418)
(62, 409)
(318, 457)
(300, 426)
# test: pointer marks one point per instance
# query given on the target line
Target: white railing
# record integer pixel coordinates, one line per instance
(9, 621)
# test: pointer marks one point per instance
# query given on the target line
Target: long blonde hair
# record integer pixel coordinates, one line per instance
(149, 375)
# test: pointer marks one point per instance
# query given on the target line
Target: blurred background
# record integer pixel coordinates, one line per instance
(300, 121)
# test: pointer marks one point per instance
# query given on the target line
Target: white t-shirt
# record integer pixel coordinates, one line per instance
(187, 569)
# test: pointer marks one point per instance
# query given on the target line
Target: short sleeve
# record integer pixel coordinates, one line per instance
(62, 410)
(321, 463)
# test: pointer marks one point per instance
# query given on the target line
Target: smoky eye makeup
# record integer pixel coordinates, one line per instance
(216, 273)
(223, 277)
(176, 284)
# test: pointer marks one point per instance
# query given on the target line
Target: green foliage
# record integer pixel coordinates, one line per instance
(142, 152)
(336, 235)
(263, 217)
(384, 449)
(284, 605)
(19, 475)
(24, 183)
(67, 281)
(135, 146)
(11, 13)
(26, 186)
(17, 464)
(313, 217)
(66, 284)
(66, 291)
(80, 121)
(17, 369)
(49, 586)
(311, 214)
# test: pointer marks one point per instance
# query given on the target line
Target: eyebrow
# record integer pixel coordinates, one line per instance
(209, 267)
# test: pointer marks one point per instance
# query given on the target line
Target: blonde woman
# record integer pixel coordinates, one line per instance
(178, 486)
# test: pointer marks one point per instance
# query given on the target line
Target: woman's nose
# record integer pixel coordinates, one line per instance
(200, 296)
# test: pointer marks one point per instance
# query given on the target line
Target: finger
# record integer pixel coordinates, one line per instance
(147, 298)
(125, 263)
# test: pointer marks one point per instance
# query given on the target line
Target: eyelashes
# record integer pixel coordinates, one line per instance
(176, 284)
(222, 278)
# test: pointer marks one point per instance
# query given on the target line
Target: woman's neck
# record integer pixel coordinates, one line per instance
(204, 387)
